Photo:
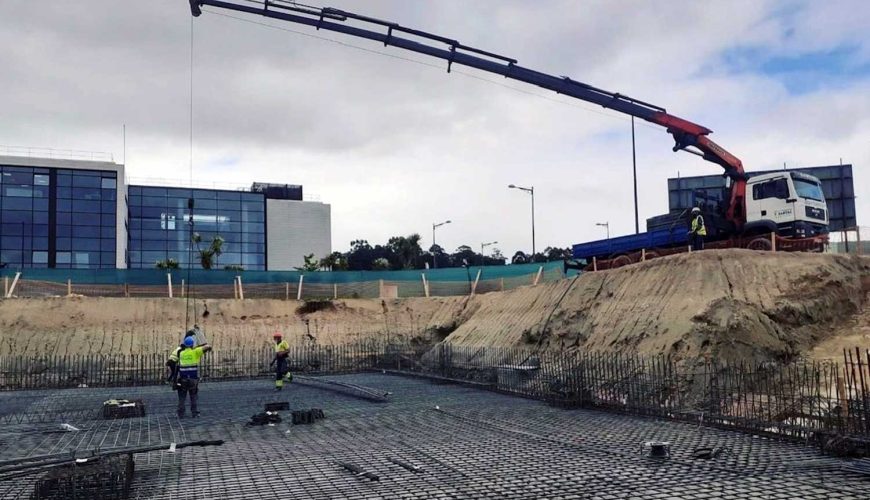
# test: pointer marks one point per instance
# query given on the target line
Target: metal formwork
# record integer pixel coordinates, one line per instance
(428, 440)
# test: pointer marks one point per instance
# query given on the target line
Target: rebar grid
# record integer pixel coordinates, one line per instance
(477, 444)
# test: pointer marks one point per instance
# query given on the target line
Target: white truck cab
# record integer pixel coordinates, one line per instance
(791, 203)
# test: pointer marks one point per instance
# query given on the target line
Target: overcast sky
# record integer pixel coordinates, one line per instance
(395, 145)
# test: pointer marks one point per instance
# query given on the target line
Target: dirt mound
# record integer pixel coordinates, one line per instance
(117, 325)
(731, 304)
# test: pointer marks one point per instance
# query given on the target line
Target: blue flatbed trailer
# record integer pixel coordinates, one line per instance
(620, 245)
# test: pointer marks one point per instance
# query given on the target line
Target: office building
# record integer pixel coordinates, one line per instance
(81, 214)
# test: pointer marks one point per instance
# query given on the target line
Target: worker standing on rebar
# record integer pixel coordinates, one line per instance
(188, 374)
(172, 362)
(699, 230)
(282, 369)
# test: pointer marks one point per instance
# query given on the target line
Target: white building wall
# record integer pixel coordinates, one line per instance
(295, 229)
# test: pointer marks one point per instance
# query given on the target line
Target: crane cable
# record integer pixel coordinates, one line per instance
(190, 204)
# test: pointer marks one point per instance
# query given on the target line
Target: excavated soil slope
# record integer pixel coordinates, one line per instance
(732, 304)
(118, 325)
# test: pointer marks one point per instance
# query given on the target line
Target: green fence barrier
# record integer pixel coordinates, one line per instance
(215, 277)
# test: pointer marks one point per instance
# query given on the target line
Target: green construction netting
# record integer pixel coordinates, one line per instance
(202, 277)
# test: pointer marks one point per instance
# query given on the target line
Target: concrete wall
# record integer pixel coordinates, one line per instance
(295, 229)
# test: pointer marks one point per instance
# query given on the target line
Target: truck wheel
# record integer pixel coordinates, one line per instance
(622, 260)
(760, 243)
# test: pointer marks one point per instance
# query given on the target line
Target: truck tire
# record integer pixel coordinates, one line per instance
(619, 261)
(760, 243)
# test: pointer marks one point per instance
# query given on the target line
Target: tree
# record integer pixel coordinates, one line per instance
(555, 253)
(311, 264)
(464, 255)
(360, 256)
(496, 258)
(406, 249)
(336, 261)
(208, 256)
(519, 258)
(437, 253)
(380, 264)
(167, 264)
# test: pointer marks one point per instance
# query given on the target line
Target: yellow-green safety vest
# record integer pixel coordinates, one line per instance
(698, 226)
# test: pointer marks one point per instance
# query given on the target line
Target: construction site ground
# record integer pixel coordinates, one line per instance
(463, 442)
(733, 305)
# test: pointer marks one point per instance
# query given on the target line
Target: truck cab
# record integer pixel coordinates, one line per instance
(790, 203)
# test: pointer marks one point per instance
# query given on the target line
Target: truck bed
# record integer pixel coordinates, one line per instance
(607, 248)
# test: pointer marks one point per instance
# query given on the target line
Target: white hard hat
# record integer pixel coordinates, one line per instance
(696, 210)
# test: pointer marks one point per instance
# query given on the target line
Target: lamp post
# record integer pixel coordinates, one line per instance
(482, 246)
(605, 225)
(531, 191)
(434, 227)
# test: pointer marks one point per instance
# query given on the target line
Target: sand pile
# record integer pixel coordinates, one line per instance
(731, 304)
(118, 325)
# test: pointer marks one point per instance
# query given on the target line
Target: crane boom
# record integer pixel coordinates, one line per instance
(688, 136)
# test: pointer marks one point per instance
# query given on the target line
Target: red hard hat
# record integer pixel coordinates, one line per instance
(277, 335)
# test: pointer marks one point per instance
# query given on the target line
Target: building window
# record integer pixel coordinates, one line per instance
(159, 229)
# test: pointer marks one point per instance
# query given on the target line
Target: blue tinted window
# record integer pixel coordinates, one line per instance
(63, 243)
(108, 183)
(85, 181)
(86, 232)
(85, 244)
(64, 231)
(16, 216)
(85, 219)
(64, 180)
(63, 257)
(109, 194)
(17, 191)
(40, 204)
(64, 205)
(40, 180)
(86, 206)
(153, 191)
(86, 193)
(17, 203)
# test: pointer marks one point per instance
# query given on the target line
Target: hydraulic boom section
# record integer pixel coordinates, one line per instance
(687, 135)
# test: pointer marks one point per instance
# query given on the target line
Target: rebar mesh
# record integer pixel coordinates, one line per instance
(476, 444)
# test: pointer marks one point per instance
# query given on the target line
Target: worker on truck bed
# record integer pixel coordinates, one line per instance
(282, 370)
(188, 374)
(699, 230)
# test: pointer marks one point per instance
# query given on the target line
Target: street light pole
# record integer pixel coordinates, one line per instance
(435, 257)
(531, 191)
(605, 225)
(482, 246)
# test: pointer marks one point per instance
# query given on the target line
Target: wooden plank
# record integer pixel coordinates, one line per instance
(12, 288)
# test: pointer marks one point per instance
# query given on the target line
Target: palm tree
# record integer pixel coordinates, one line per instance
(208, 256)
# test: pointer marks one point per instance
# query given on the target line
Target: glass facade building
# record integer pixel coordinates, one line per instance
(55, 217)
(158, 227)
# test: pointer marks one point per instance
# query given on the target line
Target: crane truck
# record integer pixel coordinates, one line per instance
(790, 205)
